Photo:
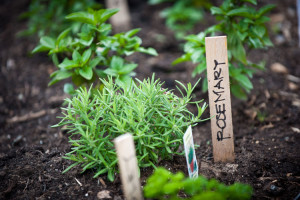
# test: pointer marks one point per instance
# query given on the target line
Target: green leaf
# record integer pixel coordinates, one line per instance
(216, 11)
(205, 85)
(127, 68)
(83, 17)
(132, 32)
(62, 36)
(55, 59)
(251, 1)
(40, 48)
(111, 175)
(93, 63)
(149, 51)
(86, 56)
(265, 9)
(68, 64)
(76, 56)
(243, 12)
(86, 72)
(69, 89)
(238, 92)
(47, 42)
(106, 14)
(117, 63)
(236, 47)
(61, 74)
(244, 81)
(259, 30)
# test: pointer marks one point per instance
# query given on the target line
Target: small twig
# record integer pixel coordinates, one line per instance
(78, 182)
(27, 117)
(26, 185)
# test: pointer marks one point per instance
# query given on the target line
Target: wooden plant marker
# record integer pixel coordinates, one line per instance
(128, 167)
(190, 154)
(121, 20)
(219, 98)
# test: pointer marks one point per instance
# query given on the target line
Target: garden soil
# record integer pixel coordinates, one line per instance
(266, 126)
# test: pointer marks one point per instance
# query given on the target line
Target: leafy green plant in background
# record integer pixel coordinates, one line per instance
(90, 47)
(47, 17)
(183, 15)
(245, 28)
(156, 117)
(162, 184)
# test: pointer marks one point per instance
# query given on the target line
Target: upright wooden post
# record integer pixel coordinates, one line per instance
(120, 21)
(128, 167)
(219, 98)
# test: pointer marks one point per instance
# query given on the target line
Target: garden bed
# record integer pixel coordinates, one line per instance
(266, 127)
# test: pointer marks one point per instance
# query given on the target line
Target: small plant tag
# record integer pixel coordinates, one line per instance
(121, 20)
(128, 166)
(190, 154)
(219, 98)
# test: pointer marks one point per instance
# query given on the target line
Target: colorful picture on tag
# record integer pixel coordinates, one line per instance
(190, 153)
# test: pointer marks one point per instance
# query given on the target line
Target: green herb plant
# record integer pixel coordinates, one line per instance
(92, 52)
(245, 28)
(46, 17)
(155, 116)
(183, 15)
(162, 184)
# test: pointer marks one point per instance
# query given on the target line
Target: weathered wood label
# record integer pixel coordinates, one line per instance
(120, 21)
(219, 98)
(128, 167)
(190, 154)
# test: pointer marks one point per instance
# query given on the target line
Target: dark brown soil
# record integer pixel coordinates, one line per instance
(266, 127)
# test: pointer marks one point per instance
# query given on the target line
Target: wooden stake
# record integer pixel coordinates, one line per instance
(219, 98)
(121, 20)
(128, 167)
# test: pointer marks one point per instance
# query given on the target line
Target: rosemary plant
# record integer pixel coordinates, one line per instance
(156, 118)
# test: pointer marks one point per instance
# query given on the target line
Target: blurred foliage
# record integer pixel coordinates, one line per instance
(183, 15)
(47, 17)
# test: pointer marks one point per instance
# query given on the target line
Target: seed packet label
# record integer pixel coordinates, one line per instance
(219, 98)
(190, 153)
(128, 167)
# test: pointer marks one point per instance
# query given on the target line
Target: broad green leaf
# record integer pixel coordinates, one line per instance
(255, 42)
(216, 11)
(243, 12)
(244, 81)
(149, 51)
(40, 48)
(265, 9)
(205, 85)
(55, 59)
(76, 56)
(127, 69)
(181, 59)
(251, 1)
(86, 56)
(69, 89)
(236, 47)
(83, 17)
(61, 74)
(86, 72)
(94, 62)
(47, 42)
(132, 32)
(111, 72)
(117, 63)
(259, 30)
(62, 36)
(262, 20)
(106, 14)
(238, 92)
(68, 64)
